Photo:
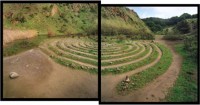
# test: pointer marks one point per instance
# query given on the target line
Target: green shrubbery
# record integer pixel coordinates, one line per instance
(157, 25)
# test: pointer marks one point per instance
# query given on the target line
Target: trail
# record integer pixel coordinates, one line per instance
(152, 92)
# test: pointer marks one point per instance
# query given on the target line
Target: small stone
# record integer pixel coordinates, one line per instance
(127, 79)
(13, 75)
(82, 67)
(27, 65)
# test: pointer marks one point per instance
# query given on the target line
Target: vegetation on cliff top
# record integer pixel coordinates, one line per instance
(54, 18)
(123, 21)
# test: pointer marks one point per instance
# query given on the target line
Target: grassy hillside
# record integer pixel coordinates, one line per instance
(121, 20)
(158, 24)
(55, 18)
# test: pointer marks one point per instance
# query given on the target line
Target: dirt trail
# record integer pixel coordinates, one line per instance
(41, 77)
(152, 92)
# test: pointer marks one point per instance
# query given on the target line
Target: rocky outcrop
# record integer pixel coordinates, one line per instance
(54, 10)
(11, 35)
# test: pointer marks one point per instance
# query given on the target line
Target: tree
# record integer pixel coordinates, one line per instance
(183, 27)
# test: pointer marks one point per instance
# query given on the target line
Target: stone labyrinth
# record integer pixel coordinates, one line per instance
(127, 56)
(78, 53)
(128, 65)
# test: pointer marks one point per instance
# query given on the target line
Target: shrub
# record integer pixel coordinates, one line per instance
(173, 37)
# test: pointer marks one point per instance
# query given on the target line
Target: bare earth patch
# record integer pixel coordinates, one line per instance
(41, 77)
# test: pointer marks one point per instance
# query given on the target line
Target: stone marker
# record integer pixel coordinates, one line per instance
(127, 79)
(13, 75)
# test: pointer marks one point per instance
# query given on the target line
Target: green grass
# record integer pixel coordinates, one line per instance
(79, 49)
(142, 78)
(74, 52)
(126, 68)
(66, 21)
(83, 48)
(22, 45)
(108, 51)
(107, 63)
(185, 88)
(74, 65)
(92, 46)
(130, 52)
(73, 57)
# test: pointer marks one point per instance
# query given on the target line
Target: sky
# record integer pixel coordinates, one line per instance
(163, 12)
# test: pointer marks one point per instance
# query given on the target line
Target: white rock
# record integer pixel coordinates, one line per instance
(13, 75)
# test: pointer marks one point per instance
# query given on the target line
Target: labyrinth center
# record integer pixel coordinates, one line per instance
(77, 53)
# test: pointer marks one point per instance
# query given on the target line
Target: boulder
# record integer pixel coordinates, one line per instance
(13, 75)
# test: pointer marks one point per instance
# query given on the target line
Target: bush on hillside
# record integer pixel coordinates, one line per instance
(183, 27)
(190, 44)
(173, 37)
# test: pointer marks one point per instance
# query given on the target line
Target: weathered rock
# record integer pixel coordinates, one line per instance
(82, 67)
(127, 79)
(13, 75)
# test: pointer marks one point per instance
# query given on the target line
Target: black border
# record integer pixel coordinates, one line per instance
(159, 5)
(44, 99)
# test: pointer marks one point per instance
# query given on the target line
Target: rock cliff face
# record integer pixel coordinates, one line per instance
(121, 20)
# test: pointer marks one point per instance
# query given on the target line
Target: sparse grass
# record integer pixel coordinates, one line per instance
(130, 52)
(185, 88)
(74, 65)
(79, 49)
(66, 21)
(74, 52)
(142, 78)
(110, 51)
(106, 63)
(22, 45)
(73, 57)
(126, 68)
(119, 51)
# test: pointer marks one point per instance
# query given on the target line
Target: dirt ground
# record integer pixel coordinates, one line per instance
(41, 77)
(152, 92)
